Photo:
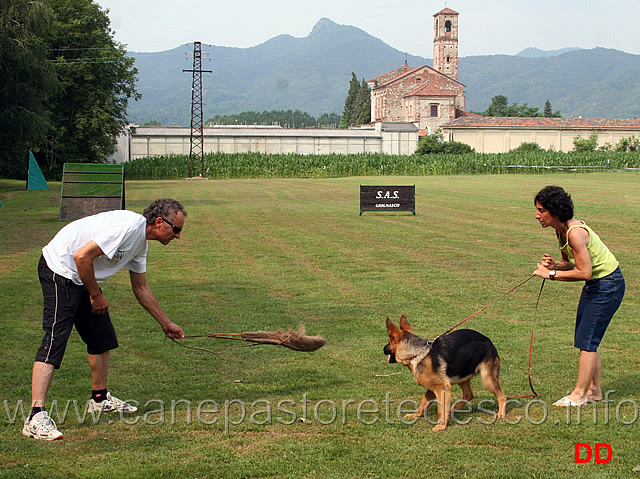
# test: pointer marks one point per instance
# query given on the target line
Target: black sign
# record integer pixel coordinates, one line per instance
(387, 198)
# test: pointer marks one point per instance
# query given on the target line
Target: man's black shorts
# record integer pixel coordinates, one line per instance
(66, 304)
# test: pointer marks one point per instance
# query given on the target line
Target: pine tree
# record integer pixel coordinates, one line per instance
(350, 114)
(548, 112)
(364, 104)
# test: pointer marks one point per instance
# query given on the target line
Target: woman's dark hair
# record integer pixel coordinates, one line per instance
(556, 201)
(163, 208)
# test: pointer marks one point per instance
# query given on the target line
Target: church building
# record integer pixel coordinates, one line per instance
(424, 96)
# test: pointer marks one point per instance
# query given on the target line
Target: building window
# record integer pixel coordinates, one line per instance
(447, 26)
(434, 110)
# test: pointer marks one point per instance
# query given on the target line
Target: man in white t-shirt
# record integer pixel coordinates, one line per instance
(83, 254)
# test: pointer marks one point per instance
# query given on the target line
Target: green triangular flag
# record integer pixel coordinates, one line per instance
(36, 179)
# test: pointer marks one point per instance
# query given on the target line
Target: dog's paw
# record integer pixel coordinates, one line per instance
(415, 415)
(439, 427)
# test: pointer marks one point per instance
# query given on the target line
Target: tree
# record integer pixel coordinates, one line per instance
(630, 143)
(349, 113)
(357, 106)
(98, 79)
(328, 120)
(585, 144)
(434, 143)
(27, 81)
(500, 107)
(528, 147)
(548, 111)
(287, 119)
(364, 104)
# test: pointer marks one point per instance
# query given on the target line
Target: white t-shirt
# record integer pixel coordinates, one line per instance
(120, 234)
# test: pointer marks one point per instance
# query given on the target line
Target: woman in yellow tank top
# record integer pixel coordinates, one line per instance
(584, 258)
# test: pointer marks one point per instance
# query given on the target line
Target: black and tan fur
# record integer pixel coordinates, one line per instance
(453, 358)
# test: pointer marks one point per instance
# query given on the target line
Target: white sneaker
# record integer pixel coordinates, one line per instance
(111, 404)
(41, 426)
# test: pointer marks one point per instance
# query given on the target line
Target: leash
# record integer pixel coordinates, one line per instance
(535, 316)
(535, 319)
(485, 307)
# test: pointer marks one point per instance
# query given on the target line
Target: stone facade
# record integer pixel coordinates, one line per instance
(422, 96)
(445, 42)
(427, 97)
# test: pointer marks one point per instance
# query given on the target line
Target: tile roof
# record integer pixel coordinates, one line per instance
(543, 122)
(405, 66)
(401, 75)
(446, 11)
(460, 113)
(410, 72)
(430, 90)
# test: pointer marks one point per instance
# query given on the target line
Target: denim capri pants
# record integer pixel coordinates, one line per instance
(599, 301)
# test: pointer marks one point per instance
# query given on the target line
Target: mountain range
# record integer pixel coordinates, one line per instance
(312, 74)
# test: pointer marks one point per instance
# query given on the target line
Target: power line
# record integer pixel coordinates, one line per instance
(85, 60)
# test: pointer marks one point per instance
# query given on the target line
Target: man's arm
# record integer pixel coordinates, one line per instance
(84, 264)
(146, 298)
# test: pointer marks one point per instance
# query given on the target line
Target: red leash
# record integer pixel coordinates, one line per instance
(535, 317)
(485, 307)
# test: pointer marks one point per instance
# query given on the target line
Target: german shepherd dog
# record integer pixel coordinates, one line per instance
(453, 358)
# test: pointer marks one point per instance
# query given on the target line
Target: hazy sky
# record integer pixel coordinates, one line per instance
(487, 27)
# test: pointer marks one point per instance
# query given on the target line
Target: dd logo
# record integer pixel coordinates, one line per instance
(590, 452)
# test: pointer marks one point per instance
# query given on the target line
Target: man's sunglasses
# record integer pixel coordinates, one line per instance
(176, 229)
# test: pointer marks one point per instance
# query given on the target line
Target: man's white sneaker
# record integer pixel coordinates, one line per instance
(110, 404)
(41, 426)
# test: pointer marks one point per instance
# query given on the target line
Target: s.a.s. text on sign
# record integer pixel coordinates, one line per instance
(387, 198)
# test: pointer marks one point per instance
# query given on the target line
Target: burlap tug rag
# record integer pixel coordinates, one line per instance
(295, 339)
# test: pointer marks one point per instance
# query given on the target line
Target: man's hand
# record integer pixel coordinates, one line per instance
(99, 304)
(173, 331)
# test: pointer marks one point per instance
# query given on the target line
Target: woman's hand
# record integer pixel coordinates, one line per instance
(548, 262)
(542, 271)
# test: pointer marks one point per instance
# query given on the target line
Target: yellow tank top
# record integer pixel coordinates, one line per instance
(603, 262)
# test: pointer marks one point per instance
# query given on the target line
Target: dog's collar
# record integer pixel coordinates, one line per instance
(419, 357)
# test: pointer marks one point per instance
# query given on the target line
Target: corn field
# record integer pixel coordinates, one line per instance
(258, 165)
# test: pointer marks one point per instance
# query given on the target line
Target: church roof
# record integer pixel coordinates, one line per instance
(544, 123)
(407, 73)
(446, 11)
(430, 90)
(402, 68)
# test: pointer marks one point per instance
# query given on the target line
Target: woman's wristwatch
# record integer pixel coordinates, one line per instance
(552, 274)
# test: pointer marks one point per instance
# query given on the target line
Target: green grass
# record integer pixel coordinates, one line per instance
(269, 254)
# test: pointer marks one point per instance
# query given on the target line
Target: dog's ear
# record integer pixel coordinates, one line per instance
(404, 324)
(392, 329)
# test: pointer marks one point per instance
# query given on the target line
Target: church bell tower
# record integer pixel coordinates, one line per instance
(445, 42)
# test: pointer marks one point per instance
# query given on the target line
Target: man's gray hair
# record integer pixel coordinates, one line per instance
(163, 208)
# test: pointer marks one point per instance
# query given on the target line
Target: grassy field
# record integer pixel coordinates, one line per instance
(270, 254)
